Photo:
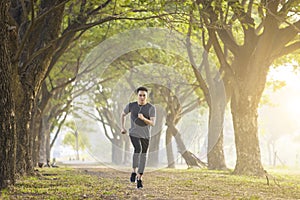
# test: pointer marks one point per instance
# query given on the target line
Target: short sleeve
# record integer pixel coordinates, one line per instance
(152, 111)
(126, 109)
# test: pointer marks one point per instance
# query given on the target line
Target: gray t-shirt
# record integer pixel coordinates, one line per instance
(138, 127)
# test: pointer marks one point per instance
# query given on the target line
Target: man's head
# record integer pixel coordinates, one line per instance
(142, 95)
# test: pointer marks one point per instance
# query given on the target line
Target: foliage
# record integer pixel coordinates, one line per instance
(71, 137)
(70, 140)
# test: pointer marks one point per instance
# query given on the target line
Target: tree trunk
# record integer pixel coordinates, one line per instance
(190, 159)
(216, 158)
(244, 114)
(251, 73)
(169, 148)
(215, 153)
(214, 92)
(76, 144)
(7, 109)
(117, 152)
(31, 75)
(35, 130)
(153, 159)
(23, 116)
(44, 141)
(269, 153)
(156, 131)
(48, 149)
(42, 153)
(127, 155)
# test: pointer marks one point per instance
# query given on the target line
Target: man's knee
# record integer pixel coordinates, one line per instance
(144, 151)
(137, 150)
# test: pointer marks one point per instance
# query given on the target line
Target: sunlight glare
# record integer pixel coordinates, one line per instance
(292, 106)
(287, 97)
(280, 119)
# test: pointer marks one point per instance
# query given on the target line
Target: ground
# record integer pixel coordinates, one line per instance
(106, 183)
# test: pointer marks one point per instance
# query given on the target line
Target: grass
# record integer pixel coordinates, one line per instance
(104, 183)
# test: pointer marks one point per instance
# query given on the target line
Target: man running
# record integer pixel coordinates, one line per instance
(142, 118)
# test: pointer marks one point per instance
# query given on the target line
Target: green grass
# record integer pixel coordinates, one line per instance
(59, 184)
(67, 183)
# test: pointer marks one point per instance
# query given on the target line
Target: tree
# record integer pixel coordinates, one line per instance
(175, 109)
(170, 92)
(44, 30)
(269, 31)
(7, 119)
(53, 106)
(213, 89)
(207, 79)
(76, 141)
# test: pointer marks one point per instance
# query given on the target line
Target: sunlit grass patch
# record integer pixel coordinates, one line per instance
(66, 183)
(59, 183)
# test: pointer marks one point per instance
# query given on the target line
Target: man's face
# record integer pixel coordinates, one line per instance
(142, 97)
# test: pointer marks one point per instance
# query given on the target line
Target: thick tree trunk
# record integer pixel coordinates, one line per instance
(244, 113)
(7, 109)
(245, 100)
(23, 116)
(31, 77)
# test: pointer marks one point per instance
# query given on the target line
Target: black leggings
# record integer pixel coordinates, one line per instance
(140, 151)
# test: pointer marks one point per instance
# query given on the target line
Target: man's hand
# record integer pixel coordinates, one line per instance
(123, 131)
(141, 116)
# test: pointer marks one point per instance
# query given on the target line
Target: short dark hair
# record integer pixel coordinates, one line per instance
(141, 89)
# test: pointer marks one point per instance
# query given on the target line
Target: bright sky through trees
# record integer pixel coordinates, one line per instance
(280, 121)
(287, 97)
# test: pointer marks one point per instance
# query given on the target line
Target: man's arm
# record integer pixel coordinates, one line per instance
(150, 121)
(123, 130)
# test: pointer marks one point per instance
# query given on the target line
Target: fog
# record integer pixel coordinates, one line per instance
(279, 131)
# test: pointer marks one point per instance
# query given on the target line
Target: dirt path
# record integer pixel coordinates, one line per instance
(193, 184)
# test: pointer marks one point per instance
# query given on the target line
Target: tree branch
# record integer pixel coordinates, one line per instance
(245, 19)
(32, 24)
(58, 130)
(289, 49)
(198, 75)
(92, 12)
(222, 31)
(25, 12)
